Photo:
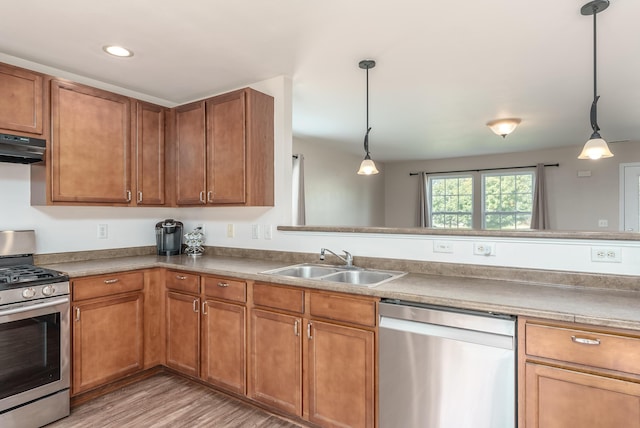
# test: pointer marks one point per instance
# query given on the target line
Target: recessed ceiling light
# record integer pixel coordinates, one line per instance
(117, 51)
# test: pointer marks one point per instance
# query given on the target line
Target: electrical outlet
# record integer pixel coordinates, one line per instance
(231, 230)
(103, 231)
(442, 247)
(268, 231)
(606, 254)
(255, 231)
(603, 223)
(484, 248)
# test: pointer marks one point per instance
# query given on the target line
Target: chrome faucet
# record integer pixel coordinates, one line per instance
(348, 260)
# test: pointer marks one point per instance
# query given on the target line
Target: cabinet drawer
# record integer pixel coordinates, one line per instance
(343, 308)
(107, 285)
(288, 299)
(181, 281)
(223, 288)
(608, 351)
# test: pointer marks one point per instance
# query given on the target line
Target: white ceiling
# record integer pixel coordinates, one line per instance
(443, 68)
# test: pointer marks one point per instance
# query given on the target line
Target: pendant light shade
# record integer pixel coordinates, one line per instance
(367, 167)
(596, 147)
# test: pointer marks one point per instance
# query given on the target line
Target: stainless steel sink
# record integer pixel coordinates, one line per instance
(358, 277)
(304, 271)
(345, 275)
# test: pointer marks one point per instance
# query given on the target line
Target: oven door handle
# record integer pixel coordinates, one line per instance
(47, 304)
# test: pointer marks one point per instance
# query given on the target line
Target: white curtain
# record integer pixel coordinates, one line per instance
(424, 213)
(540, 211)
(298, 191)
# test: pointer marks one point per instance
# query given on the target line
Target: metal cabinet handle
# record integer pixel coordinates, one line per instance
(585, 341)
(210, 196)
(204, 308)
(140, 196)
(111, 281)
(223, 284)
(309, 336)
(181, 277)
(128, 195)
(202, 197)
(295, 328)
(77, 313)
(196, 305)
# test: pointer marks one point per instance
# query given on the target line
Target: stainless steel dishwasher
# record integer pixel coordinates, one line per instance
(446, 368)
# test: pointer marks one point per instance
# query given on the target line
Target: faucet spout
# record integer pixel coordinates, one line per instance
(347, 259)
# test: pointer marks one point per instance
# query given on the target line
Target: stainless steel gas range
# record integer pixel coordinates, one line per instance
(34, 336)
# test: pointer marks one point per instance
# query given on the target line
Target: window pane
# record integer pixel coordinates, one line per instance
(507, 200)
(451, 201)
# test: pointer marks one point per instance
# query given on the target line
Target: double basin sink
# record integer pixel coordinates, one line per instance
(346, 275)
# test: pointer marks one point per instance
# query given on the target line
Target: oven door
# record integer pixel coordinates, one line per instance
(34, 350)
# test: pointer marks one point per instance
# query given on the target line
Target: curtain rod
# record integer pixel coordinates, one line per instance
(485, 169)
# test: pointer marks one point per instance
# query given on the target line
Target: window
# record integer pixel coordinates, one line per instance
(451, 202)
(507, 200)
(500, 201)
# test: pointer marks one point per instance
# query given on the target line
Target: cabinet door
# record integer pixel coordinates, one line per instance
(149, 154)
(107, 340)
(559, 398)
(91, 145)
(276, 361)
(21, 102)
(341, 375)
(226, 149)
(191, 154)
(223, 345)
(183, 332)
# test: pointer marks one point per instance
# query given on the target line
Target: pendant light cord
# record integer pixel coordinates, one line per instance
(366, 136)
(595, 57)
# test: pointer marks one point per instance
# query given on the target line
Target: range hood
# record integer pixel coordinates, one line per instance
(19, 149)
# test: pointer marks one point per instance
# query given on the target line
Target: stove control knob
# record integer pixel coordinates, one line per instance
(28, 293)
(48, 290)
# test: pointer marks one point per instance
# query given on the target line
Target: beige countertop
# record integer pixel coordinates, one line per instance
(604, 307)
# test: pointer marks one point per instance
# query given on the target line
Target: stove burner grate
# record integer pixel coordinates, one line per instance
(24, 273)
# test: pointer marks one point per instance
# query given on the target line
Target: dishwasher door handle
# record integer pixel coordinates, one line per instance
(446, 332)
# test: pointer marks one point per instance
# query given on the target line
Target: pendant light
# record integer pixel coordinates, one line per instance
(596, 147)
(367, 167)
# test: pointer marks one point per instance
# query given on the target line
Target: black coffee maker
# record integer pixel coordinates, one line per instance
(169, 237)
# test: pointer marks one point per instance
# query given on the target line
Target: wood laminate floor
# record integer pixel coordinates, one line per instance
(166, 400)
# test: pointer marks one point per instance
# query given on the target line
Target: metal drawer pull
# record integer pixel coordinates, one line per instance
(585, 341)
(139, 196)
(111, 281)
(204, 308)
(210, 196)
(128, 195)
(196, 303)
(223, 284)
(295, 328)
(77, 314)
(202, 197)
(181, 277)
(309, 331)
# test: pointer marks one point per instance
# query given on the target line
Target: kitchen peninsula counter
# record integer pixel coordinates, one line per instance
(609, 307)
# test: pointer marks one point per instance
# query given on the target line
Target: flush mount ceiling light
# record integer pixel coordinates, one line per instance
(504, 127)
(118, 51)
(596, 147)
(367, 167)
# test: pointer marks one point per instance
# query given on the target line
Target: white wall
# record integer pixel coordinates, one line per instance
(60, 229)
(334, 194)
(575, 203)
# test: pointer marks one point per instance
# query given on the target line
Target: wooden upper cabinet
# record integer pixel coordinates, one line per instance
(191, 154)
(224, 150)
(149, 154)
(21, 104)
(91, 145)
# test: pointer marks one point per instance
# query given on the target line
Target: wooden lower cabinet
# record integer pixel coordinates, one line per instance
(223, 345)
(576, 375)
(183, 333)
(341, 368)
(276, 360)
(562, 398)
(107, 340)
